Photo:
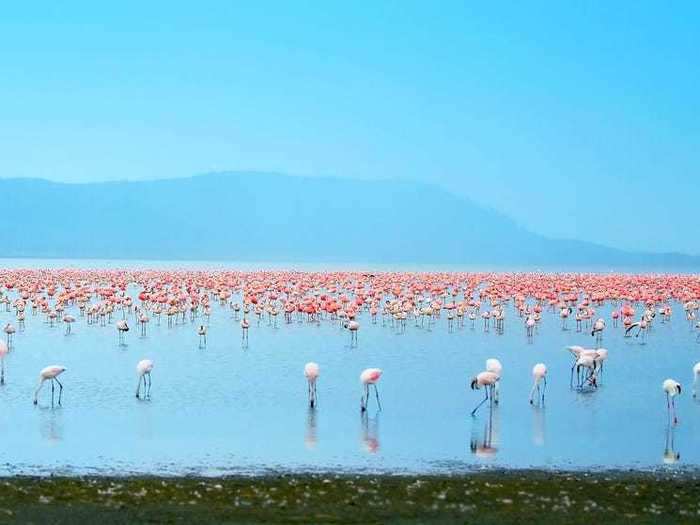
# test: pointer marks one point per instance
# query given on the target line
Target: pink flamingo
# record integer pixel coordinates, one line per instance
(488, 381)
(3, 352)
(369, 377)
(311, 372)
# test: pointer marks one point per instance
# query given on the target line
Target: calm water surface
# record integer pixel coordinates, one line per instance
(223, 409)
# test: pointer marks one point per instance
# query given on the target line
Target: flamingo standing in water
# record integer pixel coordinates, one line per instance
(245, 324)
(143, 370)
(353, 326)
(311, 372)
(672, 388)
(122, 328)
(202, 331)
(487, 380)
(597, 330)
(50, 373)
(696, 378)
(539, 374)
(143, 321)
(68, 320)
(3, 352)
(495, 366)
(10, 331)
(369, 377)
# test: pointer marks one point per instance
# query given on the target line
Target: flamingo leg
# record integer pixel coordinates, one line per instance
(138, 388)
(60, 391)
(376, 394)
(52, 391)
(544, 387)
(486, 397)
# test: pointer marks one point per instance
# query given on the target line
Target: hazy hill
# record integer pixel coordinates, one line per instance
(255, 216)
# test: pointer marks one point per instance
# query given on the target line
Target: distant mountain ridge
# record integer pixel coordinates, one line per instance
(271, 217)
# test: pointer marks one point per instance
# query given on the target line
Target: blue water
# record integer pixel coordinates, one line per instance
(225, 409)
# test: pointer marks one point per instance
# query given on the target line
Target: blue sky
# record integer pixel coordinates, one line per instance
(578, 119)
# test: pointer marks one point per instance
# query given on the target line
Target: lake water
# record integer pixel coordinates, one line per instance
(224, 409)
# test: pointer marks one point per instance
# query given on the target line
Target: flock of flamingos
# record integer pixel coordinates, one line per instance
(399, 300)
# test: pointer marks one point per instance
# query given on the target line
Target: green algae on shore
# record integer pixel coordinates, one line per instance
(489, 497)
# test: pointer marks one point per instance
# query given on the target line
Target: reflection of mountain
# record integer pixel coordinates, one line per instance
(256, 216)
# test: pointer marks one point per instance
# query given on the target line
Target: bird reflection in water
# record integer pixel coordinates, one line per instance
(538, 425)
(310, 438)
(486, 447)
(670, 455)
(370, 433)
(51, 427)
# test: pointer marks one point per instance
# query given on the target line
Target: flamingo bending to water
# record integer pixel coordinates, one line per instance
(143, 370)
(487, 380)
(50, 373)
(122, 328)
(539, 374)
(672, 388)
(311, 372)
(369, 377)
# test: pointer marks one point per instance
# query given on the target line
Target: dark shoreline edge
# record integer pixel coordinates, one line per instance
(490, 496)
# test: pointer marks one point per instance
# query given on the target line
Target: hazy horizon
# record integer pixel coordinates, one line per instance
(577, 121)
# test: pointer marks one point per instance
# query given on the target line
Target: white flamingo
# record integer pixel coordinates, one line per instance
(672, 388)
(50, 373)
(143, 370)
(539, 375)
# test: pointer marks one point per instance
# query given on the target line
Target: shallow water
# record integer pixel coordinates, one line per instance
(224, 409)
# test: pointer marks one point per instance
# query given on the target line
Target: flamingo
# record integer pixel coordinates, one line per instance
(587, 360)
(202, 331)
(353, 326)
(487, 380)
(4, 349)
(369, 377)
(672, 388)
(311, 372)
(50, 373)
(68, 320)
(143, 321)
(539, 374)
(122, 328)
(245, 324)
(10, 331)
(597, 330)
(143, 370)
(696, 377)
(495, 366)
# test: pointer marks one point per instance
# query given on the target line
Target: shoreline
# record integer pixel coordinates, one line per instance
(503, 496)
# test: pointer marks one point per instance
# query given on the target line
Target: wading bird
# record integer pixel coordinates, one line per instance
(672, 389)
(539, 375)
(369, 377)
(487, 380)
(122, 328)
(494, 365)
(202, 332)
(3, 352)
(311, 372)
(50, 373)
(143, 370)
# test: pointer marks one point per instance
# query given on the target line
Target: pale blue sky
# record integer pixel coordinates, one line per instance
(578, 119)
